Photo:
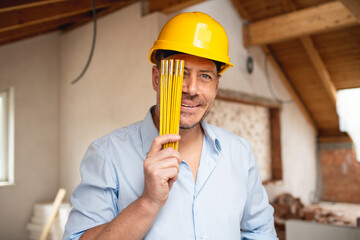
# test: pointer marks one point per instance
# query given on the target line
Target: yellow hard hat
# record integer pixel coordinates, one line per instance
(197, 34)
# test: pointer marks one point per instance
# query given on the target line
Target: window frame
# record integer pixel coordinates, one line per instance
(9, 141)
(275, 126)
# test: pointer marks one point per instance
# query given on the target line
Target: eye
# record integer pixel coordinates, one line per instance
(206, 76)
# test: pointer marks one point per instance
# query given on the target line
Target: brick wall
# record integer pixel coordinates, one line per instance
(340, 173)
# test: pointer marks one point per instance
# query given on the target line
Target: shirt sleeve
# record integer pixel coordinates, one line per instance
(97, 193)
(258, 215)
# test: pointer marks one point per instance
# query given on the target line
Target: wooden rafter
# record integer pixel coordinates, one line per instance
(320, 68)
(167, 6)
(22, 5)
(290, 87)
(18, 19)
(23, 18)
(353, 6)
(325, 17)
(315, 58)
(241, 10)
(243, 13)
(27, 18)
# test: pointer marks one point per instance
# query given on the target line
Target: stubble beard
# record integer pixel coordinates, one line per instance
(202, 118)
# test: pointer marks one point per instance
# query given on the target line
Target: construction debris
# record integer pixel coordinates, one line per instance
(287, 207)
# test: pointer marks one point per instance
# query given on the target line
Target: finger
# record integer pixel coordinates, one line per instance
(168, 163)
(159, 169)
(170, 174)
(172, 181)
(164, 154)
(161, 140)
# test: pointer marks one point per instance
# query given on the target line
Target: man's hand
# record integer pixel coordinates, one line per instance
(161, 168)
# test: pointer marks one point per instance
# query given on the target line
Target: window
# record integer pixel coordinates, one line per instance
(7, 137)
(348, 108)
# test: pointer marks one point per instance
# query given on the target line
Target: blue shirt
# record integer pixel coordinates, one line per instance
(227, 196)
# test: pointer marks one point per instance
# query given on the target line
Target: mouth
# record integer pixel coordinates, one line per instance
(189, 106)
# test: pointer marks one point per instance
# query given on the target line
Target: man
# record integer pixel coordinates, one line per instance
(210, 189)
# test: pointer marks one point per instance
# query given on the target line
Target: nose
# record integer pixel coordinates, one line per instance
(190, 85)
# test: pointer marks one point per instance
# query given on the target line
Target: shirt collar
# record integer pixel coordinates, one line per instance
(149, 132)
(210, 135)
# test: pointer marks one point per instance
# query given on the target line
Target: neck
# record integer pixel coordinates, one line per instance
(189, 136)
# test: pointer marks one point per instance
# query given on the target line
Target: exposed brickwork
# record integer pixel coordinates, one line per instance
(340, 175)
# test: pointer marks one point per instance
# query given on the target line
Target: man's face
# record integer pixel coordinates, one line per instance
(200, 86)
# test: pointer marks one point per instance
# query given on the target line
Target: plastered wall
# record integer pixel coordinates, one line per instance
(31, 67)
(115, 91)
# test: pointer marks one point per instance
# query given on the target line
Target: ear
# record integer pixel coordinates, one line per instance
(217, 83)
(155, 78)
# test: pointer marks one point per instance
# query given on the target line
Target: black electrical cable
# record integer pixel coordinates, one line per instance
(93, 44)
(270, 86)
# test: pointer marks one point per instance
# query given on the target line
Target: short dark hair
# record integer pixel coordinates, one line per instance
(161, 54)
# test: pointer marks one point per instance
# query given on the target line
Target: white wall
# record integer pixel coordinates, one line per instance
(116, 90)
(31, 66)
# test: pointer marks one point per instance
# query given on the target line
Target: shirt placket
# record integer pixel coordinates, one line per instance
(206, 167)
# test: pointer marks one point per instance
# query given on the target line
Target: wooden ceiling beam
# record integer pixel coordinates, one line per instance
(320, 68)
(353, 6)
(34, 30)
(17, 5)
(315, 58)
(241, 10)
(290, 88)
(288, 85)
(326, 138)
(101, 12)
(167, 6)
(325, 17)
(18, 19)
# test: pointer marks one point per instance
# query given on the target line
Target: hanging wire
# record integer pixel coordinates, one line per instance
(93, 44)
(270, 86)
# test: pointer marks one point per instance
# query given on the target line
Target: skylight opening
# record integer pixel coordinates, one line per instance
(348, 109)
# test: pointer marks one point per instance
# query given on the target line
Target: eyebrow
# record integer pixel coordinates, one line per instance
(203, 71)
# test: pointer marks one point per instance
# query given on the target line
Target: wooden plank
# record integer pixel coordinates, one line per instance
(42, 20)
(234, 96)
(320, 68)
(18, 19)
(241, 9)
(100, 13)
(290, 88)
(34, 30)
(54, 211)
(12, 3)
(244, 14)
(319, 65)
(275, 139)
(325, 17)
(329, 139)
(167, 6)
(26, 4)
(353, 6)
